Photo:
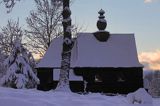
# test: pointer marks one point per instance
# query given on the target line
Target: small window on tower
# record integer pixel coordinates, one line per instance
(98, 78)
(120, 77)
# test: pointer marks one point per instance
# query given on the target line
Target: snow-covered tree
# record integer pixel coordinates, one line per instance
(19, 72)
(154, 87)
(2, 68)
(41, 23)
(8, 34)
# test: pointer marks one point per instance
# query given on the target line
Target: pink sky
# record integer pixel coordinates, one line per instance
(151, 60)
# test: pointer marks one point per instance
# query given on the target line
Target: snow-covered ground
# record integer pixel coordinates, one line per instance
(15, 97)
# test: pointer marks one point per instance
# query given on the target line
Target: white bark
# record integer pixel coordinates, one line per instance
(63, 84)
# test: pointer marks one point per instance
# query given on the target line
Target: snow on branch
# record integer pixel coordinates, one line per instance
(9, 4)
(19, 72)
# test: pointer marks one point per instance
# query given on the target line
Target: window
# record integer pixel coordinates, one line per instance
(120, 77)
(98, 78)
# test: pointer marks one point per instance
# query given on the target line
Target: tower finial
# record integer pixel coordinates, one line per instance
(101, 23)
(101, 35)
(101, 12)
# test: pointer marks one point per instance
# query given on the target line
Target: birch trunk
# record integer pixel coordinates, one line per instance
(63, 84)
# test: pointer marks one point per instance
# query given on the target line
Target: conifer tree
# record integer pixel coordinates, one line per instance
(19, 72)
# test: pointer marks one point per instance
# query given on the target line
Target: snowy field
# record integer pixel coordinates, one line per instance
(14, 97)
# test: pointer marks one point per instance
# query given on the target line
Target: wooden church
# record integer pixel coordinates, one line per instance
(100, 62)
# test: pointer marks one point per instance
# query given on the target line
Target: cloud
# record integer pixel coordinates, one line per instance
(151, 1)
(151, 60)
(148, 1)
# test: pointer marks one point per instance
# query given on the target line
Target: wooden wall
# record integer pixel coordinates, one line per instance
(107, 80)
(112, 80)
(45, 76)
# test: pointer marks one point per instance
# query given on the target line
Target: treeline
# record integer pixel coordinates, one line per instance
(152, 82)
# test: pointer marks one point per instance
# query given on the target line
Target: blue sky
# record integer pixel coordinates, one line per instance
(123, 16)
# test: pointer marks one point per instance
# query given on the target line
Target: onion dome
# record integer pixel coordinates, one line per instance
(101, 35)
(101, 23)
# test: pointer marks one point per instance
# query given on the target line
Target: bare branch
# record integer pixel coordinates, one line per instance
(8, 34)
(44, 24)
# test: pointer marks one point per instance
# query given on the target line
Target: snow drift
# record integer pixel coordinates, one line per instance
(19, 97)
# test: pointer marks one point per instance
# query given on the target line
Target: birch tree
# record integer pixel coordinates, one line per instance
(63, 84)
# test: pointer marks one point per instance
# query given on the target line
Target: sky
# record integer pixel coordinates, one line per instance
(141, 17)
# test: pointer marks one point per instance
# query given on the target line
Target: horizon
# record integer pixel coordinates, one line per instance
(139, 17)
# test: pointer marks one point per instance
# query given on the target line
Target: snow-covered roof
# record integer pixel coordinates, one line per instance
(118, 51)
